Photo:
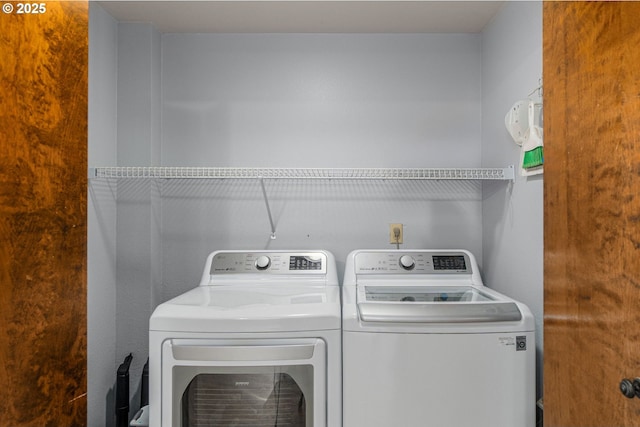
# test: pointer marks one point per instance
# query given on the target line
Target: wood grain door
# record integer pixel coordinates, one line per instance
(43, 198)
(591, 212)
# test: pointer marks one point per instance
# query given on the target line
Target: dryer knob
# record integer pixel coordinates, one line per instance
(407, 262)
(263, 262)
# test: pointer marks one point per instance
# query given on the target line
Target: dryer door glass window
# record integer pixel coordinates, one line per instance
(244, 399)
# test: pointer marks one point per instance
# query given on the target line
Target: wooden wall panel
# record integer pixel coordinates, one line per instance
(591, 59)
(43, 178)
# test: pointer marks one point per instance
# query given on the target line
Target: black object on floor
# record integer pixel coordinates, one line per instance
(144, 388)
(122, 393)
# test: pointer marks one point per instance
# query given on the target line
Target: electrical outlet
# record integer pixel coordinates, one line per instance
(395, 233)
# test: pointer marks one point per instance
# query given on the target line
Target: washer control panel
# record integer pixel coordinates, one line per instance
(269, 262)
(414, 262)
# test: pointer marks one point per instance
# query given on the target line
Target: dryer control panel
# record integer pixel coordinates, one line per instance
(269, 263)
(413, 262)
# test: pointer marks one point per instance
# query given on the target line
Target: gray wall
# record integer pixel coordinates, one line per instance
(123, 242)
(512, 221)
(138, 229)
(311, 100)
(301, 100)
(102, 213)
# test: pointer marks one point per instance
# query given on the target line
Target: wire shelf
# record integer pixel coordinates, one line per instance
(496, 174)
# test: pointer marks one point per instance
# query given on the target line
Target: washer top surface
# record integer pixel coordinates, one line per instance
(257, 291)
(424, 290)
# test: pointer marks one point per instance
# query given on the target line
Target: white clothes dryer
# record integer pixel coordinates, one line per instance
(425, 343)
(257, 343)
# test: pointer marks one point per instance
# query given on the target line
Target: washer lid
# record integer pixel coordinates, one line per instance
(238, 309)
(433, 304)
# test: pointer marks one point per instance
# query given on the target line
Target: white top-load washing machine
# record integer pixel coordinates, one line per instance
(426, 344)
(257, 343)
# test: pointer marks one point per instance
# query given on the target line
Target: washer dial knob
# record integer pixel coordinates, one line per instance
(263, 262)
(407, 262)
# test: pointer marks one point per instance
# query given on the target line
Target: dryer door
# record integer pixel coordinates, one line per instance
(240, 382)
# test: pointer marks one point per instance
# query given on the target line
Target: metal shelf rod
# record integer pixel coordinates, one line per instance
(266, 202)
